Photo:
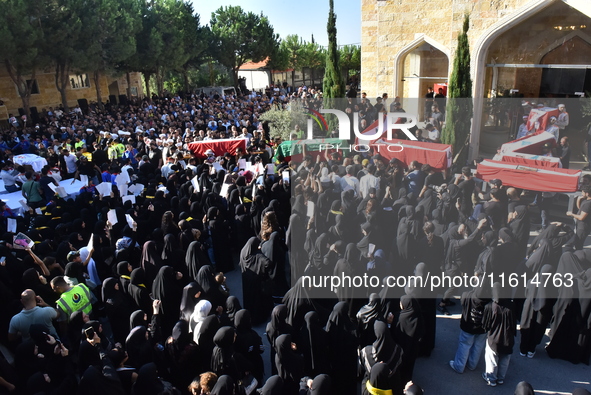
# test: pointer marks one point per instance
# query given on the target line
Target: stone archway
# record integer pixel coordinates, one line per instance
(420, 64)
(509, 54)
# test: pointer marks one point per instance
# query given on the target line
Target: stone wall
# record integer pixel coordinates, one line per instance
(387, 26)
(49, 96)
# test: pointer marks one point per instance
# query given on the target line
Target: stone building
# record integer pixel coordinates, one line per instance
(81, 87)
(540, 48)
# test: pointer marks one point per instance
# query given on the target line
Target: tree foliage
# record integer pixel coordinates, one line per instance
(241, 36)
(459, 106)
(350, 58)
(21, 38)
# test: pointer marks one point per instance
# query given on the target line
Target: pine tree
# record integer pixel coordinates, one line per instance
(333, 86)
(459, 105)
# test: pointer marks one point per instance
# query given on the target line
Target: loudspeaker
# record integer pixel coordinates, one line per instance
(35, 115)
(123, 100)
(83, 103)
(113, 99)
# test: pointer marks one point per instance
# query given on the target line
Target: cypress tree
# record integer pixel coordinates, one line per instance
(333, 86)
(459, 106)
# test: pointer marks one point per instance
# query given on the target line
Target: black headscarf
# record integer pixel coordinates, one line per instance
(138, 347)
(232, 307)
(194, 259)
(369, 313)
(252, 259)
(379, 376)
(167, 289)
(410, 320)
(540, 257)
(321, 385)
(524, 388)
(147, 382)
(289, 363)
(224, 386)
(384, 349)
(189, 301)
(273, 386)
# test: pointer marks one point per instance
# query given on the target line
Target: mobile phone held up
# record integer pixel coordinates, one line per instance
(89, 333)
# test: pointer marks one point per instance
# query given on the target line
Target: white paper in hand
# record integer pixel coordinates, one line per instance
(371, 249)
(112, 216)
(11, 225)
(130, 198)
(61, 191)
(285, 175)
(52, 186)
(84, 180)
(38, 211)
(130, 220)
(105, 188)
(195, 182)
(270, 168)
(122, 179)
(24, 205)
(241, 164)
(20, 241)
(310, 212)
(217, 166)
(224, 190)
(122, 189)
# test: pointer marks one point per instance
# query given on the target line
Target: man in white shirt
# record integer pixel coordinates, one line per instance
(553, 129)
(369, 181)
(433, 134)
(351, 181)
(563, 119)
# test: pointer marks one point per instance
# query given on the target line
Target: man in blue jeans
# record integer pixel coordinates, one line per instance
(472, 334)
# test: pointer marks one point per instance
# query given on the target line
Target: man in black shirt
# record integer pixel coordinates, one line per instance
(494, 210)
(467, 187)
(433, 179)
(583, 223)
(564, 152)
(88, 169)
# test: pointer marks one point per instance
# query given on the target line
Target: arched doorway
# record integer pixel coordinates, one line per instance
(419, 65)
(525, 51)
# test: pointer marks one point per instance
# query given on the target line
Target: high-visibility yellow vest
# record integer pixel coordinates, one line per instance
(77, 298)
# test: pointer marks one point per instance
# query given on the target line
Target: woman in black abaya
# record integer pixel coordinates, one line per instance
(428, 307)
(408, 332)
(537, 312)
(384, 349)
(249, 344)
(220, 237)
(168, 289)
(366, 317)
(117, 308)
(314, 346)
(379, 381)
(570, 330)
(276, 250)
(342, 349)
(151, 261)
(276, 327)
(222, 358)
(520, 227)
(346, 266)
(138, 290)
(289, 364)
(211, 289)
(172, 255)
(255, 268)
(195, 258)
(138, 347)
(190, 297)
(408, 232)
(294, 239)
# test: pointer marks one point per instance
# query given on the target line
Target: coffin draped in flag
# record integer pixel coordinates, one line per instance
(439, 156)
(531, 178)
(219, 147)
(531, 144)
(531, 160)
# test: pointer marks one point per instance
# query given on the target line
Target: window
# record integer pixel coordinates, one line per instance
(34, 87)
(79, 81)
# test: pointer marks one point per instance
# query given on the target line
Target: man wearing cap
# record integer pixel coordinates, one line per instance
(523, 131)
(563, 119)
(76, 298)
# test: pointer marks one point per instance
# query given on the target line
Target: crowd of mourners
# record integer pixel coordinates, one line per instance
(129, 296)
